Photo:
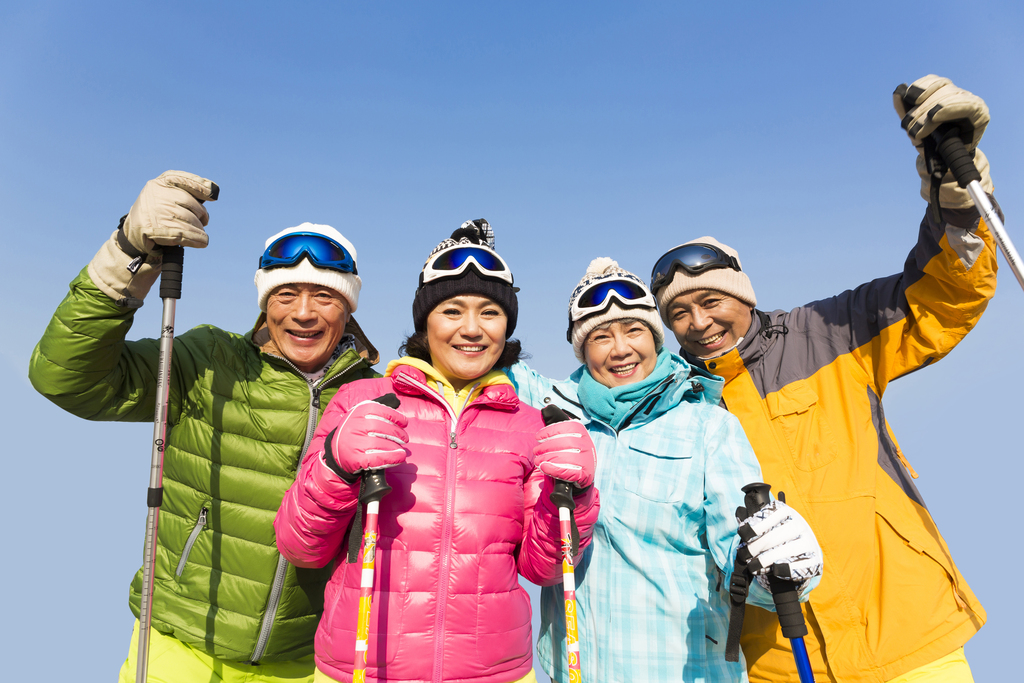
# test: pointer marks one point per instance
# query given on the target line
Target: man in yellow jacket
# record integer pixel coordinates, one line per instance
(807, 385)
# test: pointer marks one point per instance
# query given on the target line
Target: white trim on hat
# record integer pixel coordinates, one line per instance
(304, 272)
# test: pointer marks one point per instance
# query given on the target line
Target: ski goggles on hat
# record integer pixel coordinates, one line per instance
(322, 251)
(693, 258)
(598, 296)
(455, 261)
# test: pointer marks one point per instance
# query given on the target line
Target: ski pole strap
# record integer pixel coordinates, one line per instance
(355, 533)
(936, 167)
(739, 587)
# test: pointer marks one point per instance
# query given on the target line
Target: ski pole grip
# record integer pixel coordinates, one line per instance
(170, 272)
(953, 151)
(787, 605)
(757, 497)
(375, 484)
(562, 495)
(784, 593)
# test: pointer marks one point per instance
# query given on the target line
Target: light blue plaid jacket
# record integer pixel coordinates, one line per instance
(652, 589)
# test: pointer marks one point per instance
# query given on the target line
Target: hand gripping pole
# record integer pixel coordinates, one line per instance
(784, 592)
(372, 488)
(950, 147)
(170, 292)
(562, 498)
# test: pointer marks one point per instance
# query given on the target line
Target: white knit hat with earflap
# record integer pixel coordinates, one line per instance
(304, 272)
(602, 269)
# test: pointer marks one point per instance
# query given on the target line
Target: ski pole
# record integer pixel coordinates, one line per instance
(373, 487)
(562, 498)
(170, 292)
(952, 150)
(784, 593)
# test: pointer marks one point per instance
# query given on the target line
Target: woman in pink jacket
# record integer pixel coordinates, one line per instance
(471, 473)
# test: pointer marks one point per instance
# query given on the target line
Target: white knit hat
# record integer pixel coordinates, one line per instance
(304, 272)
(732, 282)
(602, 269)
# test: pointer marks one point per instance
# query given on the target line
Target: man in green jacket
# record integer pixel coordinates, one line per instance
(226, 605)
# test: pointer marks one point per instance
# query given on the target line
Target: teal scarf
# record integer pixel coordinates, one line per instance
(612, 405)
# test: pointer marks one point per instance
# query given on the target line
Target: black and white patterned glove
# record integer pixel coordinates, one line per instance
(777, 535)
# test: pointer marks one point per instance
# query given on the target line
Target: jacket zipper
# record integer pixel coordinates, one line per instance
(200, 523)
(282, 564)
(446, 533)
(652, 396)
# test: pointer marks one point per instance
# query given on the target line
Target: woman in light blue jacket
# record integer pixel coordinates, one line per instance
(652, 589)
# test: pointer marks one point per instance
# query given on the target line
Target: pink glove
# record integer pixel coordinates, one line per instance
(565, 451)
(372, 437)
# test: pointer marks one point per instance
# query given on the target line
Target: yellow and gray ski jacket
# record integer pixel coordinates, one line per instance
(807, 387)
(239, 421)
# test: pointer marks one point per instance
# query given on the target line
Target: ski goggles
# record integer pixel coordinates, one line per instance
(694, 259)
(322, 252)
(597, 297)
(456, 260)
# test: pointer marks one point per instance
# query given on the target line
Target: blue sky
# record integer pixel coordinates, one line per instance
(578, 129)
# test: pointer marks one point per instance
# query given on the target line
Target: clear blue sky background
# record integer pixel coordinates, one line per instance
(578, 129)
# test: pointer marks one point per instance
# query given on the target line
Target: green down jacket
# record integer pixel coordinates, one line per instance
(239, 422)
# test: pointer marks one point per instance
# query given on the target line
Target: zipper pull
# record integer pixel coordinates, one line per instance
(316, 399)
(202, 517)
(453, 444)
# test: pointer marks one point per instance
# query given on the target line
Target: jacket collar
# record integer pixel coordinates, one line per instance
(411, 380)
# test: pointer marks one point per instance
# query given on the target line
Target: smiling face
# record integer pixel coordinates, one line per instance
(306, 323)
(707, 323)
(466, 335)
(620, 353)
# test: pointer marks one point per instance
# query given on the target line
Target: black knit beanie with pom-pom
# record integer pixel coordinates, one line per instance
(470, 281)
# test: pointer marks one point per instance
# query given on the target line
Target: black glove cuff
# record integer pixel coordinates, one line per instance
(580, 492)
(329, 460)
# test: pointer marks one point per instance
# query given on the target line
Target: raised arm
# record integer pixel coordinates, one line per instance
(83, 363)
(897, 324)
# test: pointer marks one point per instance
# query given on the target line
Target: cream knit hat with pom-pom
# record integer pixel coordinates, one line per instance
(606, 269)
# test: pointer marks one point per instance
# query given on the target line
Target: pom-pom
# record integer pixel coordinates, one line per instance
(602, 265)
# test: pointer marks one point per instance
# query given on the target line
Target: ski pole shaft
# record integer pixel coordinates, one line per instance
(952, 150)
(784, 592)
(562, 498)
(988, 213)
(373, 487)
(170, 292)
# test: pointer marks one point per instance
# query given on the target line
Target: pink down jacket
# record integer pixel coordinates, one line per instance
(467, 513)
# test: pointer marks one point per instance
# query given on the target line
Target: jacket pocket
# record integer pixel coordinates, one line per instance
(192, 537)
(804, 425)
(943, 571)
(658, 469)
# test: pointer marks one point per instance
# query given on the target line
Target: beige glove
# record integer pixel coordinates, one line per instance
(926, 104)
(168, 211)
